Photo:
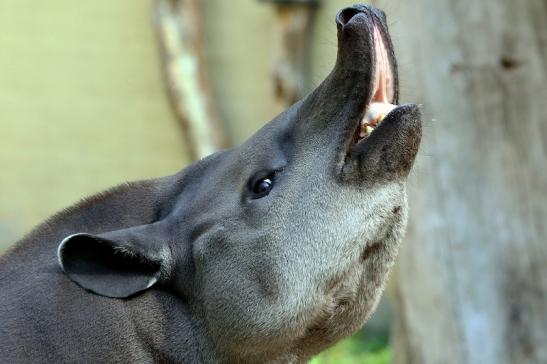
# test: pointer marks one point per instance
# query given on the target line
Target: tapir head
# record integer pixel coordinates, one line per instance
(285, 242)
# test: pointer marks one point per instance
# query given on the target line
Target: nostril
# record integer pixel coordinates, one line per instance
(381, 14)
(345, 15)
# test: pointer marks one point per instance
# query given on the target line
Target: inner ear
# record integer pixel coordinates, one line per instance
(106, 267)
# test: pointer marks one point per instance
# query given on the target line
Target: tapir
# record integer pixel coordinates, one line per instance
(269, 252)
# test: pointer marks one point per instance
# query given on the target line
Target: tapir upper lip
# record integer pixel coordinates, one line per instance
(365, 23)
(364, 20)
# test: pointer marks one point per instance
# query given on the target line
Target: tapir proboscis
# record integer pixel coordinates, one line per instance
(265, 253)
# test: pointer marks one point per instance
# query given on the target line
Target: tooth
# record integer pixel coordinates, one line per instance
(377, 111)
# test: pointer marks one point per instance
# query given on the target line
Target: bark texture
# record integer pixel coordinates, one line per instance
(292, 39)
(472, 281)
(180, 35)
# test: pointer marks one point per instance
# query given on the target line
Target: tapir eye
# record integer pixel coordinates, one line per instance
(261, 185)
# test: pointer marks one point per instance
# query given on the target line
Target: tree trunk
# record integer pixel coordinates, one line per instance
(472, 276)
(180, 35)
(293, 33)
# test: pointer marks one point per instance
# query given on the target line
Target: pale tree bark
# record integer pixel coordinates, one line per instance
(292, 39)
(472, 279)
(180, 35)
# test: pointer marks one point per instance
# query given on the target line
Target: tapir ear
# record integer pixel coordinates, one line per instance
(116, 264)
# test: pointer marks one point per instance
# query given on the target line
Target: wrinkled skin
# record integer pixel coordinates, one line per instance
(198, 267)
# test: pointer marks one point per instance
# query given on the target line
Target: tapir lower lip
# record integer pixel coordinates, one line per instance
(389, 152)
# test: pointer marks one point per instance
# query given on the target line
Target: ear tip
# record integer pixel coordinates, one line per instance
(62, 246)
(69, 237)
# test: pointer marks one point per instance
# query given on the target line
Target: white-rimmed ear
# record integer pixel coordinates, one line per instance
(116, 264)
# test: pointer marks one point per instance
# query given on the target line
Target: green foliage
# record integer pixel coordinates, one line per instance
(358, 349)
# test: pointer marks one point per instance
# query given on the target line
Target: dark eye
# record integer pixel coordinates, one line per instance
(262, 187)
(261, 184)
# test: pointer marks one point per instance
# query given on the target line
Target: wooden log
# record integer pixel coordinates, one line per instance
(292, 39)
(180, 32)
(472, 282)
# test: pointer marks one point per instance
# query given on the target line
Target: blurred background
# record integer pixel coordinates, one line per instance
(96, 93)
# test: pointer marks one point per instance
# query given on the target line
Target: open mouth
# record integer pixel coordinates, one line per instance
(383, 90)
(379, 138)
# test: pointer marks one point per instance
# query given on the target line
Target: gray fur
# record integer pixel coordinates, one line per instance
(242, 280)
